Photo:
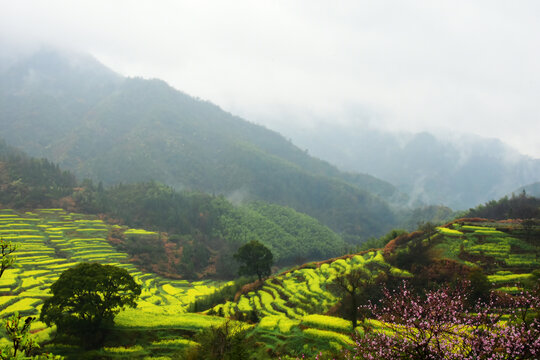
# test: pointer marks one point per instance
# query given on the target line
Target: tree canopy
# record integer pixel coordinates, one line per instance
(255, 259)
(87, 297)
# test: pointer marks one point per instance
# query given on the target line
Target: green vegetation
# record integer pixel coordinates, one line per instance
(150, 131)
(298, 292)
(86, 298)
(57, 245)
(519, 206)
(162, 237)
(204, 231)
(44, 255)
(289, 314)
(201, 227)
(507, 252)
(255, 259)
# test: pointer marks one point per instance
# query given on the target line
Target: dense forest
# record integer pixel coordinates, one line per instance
(122, 130)
(200, 232)
(519, 206)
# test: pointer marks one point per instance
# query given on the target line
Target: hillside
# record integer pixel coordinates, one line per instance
(198, 232)
(289, 314)
(531, 189)
(75, 112)
(52, 240)
(522, 206)
(457, 172)
(507, 251)
(27, 182)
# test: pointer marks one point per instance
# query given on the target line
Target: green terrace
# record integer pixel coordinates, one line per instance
(288, 305)
(506, 251)
(288, 312)
(50, 241)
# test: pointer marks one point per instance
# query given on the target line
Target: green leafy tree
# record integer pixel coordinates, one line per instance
(357, 287)
(18, 332)
(350, 287)
(87, 297)
(255, 259)
(6, 248)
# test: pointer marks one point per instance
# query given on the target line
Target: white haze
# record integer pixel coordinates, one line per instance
(442, 66)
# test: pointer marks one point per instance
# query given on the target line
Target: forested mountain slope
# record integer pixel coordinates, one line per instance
(456, 172)
(198, 232)
(531, 189)
(73, 111)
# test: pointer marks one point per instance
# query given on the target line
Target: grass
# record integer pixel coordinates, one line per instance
(507, 278)
(449, 232)
(139, 232)
(23, 306)
(42, 234)
(501, 249)
(169, 318)
(336, 340)
(296, 293)
(324, 322)
(289, 305)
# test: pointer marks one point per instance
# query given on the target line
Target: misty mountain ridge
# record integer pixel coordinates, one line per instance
(100, 125)
(531, 189)
(459, 171)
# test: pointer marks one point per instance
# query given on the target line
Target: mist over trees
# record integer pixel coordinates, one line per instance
(457, 172)
(133, 130)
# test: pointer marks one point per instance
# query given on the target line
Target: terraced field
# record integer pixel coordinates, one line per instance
(289, 306)
(50, 241)
(506, 251)
(297, 293)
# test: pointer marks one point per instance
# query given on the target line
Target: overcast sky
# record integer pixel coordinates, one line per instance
(471, 66)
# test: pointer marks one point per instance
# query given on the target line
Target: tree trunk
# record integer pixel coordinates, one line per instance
(354, 311)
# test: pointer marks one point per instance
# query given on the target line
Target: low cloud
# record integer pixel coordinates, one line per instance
(419, 65)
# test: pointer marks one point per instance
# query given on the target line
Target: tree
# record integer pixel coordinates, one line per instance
(255, 258)
(357, 287)
(224, 342)
(440, 325)
(6, 248)
(349, 286)
(19, 334)
(87, 297)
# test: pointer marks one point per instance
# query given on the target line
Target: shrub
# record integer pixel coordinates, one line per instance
(226, 342)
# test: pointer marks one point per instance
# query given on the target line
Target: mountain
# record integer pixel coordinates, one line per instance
(27, 182)
(198, 233)
(457, 173)
(531, 189)
(73, 111)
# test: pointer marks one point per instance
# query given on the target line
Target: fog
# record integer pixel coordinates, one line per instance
(445, 67)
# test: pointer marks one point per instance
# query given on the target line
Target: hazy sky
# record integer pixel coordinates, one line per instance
(471, 66)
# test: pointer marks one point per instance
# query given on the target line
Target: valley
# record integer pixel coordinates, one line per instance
(288, 311)
(134, 177)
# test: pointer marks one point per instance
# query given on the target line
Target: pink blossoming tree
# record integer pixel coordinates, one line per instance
(440, 326)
